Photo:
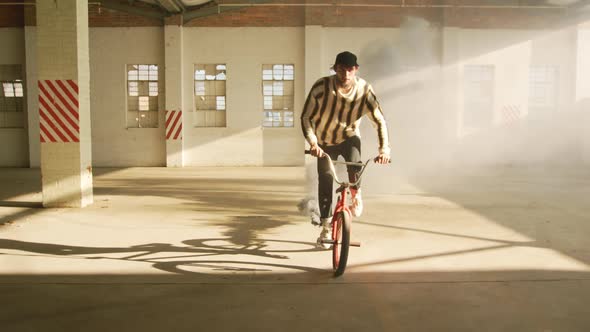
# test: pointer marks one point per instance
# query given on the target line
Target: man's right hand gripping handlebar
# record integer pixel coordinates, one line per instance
(316, 151)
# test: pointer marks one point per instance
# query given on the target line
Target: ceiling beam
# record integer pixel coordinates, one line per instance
(171, 6)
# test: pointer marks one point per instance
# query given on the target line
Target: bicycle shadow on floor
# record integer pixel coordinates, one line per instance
(244, 231)
(196, 257)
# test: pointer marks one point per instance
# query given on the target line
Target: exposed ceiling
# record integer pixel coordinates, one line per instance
(191, 9)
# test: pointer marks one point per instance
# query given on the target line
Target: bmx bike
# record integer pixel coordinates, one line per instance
(341, 222)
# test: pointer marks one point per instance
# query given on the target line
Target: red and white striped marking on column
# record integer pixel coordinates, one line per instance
(59, 118)
(173, 125)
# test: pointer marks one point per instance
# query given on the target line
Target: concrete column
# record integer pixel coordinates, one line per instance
(315, 68)
(32, 96)
(314, 55)
(64, 102)
(452, 89)
(173, 87)
(583, 85)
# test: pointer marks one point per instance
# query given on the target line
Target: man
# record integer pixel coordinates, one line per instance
(330, 122)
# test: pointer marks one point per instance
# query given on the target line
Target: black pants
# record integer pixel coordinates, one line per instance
(350, 150)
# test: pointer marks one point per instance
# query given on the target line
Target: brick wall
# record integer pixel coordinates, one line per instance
(11, 15)
(504, 18)
(371, 14)
(263, 16)
(102, 17)
(331, 16)
(367, 16)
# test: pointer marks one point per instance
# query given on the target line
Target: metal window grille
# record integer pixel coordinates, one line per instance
(278, 95)
(142, 96)
(11, 97)
(210, 95)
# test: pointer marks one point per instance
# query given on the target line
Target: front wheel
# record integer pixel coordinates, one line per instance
(341, 237)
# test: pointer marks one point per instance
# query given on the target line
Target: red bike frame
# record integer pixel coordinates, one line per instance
(342, 217)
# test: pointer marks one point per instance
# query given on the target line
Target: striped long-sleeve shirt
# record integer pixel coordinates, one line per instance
(330, 117)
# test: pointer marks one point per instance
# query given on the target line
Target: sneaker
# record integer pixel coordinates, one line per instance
(357, 204)
(325, 234)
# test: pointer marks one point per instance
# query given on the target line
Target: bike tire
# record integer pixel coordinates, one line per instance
(341, 237)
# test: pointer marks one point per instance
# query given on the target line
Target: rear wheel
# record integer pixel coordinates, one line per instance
(341, 236)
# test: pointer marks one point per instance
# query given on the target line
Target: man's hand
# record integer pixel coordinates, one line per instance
(316, 151)
(382, 158)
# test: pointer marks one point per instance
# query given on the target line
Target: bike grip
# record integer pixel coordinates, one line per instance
(307, 151)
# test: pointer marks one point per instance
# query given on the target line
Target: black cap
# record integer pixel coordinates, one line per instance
(346, 58)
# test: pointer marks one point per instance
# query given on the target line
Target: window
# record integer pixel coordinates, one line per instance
(542, 89)
(278, 95)
(11, 97)
(478, 96)
(142, 96)
(210, 95)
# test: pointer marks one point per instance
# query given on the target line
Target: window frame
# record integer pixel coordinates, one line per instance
(12, 96)
(278, 80)
(144, 94)
(210, 88)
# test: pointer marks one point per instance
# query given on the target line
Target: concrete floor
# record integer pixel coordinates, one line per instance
(225, 249)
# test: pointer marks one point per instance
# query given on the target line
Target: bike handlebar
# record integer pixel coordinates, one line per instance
(333, 171)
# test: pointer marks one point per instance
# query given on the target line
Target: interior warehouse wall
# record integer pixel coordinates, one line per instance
(111, 49)
(243, 141)
(520, 132)
(14, 150)
(418, 72)
(416, 64)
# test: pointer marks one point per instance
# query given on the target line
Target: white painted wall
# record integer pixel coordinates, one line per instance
(244, 51)
(422, 97)
(14, 151)
(583, 85)
(111, 49)
(403, 66)
(552, 138)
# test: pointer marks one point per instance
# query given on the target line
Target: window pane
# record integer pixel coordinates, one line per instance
(267, 74)
(153, 89)
(277, 88)
(144, 104)
(143, 72)
(153, 74)
(276, 116)
(8, 89)
(267, 102)
(267, 89)
(18, 89)
(133, 89)
(200, 88)
(289, 72)
(220, 102)
(200, 74)
(277, 72)
(288, 89)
